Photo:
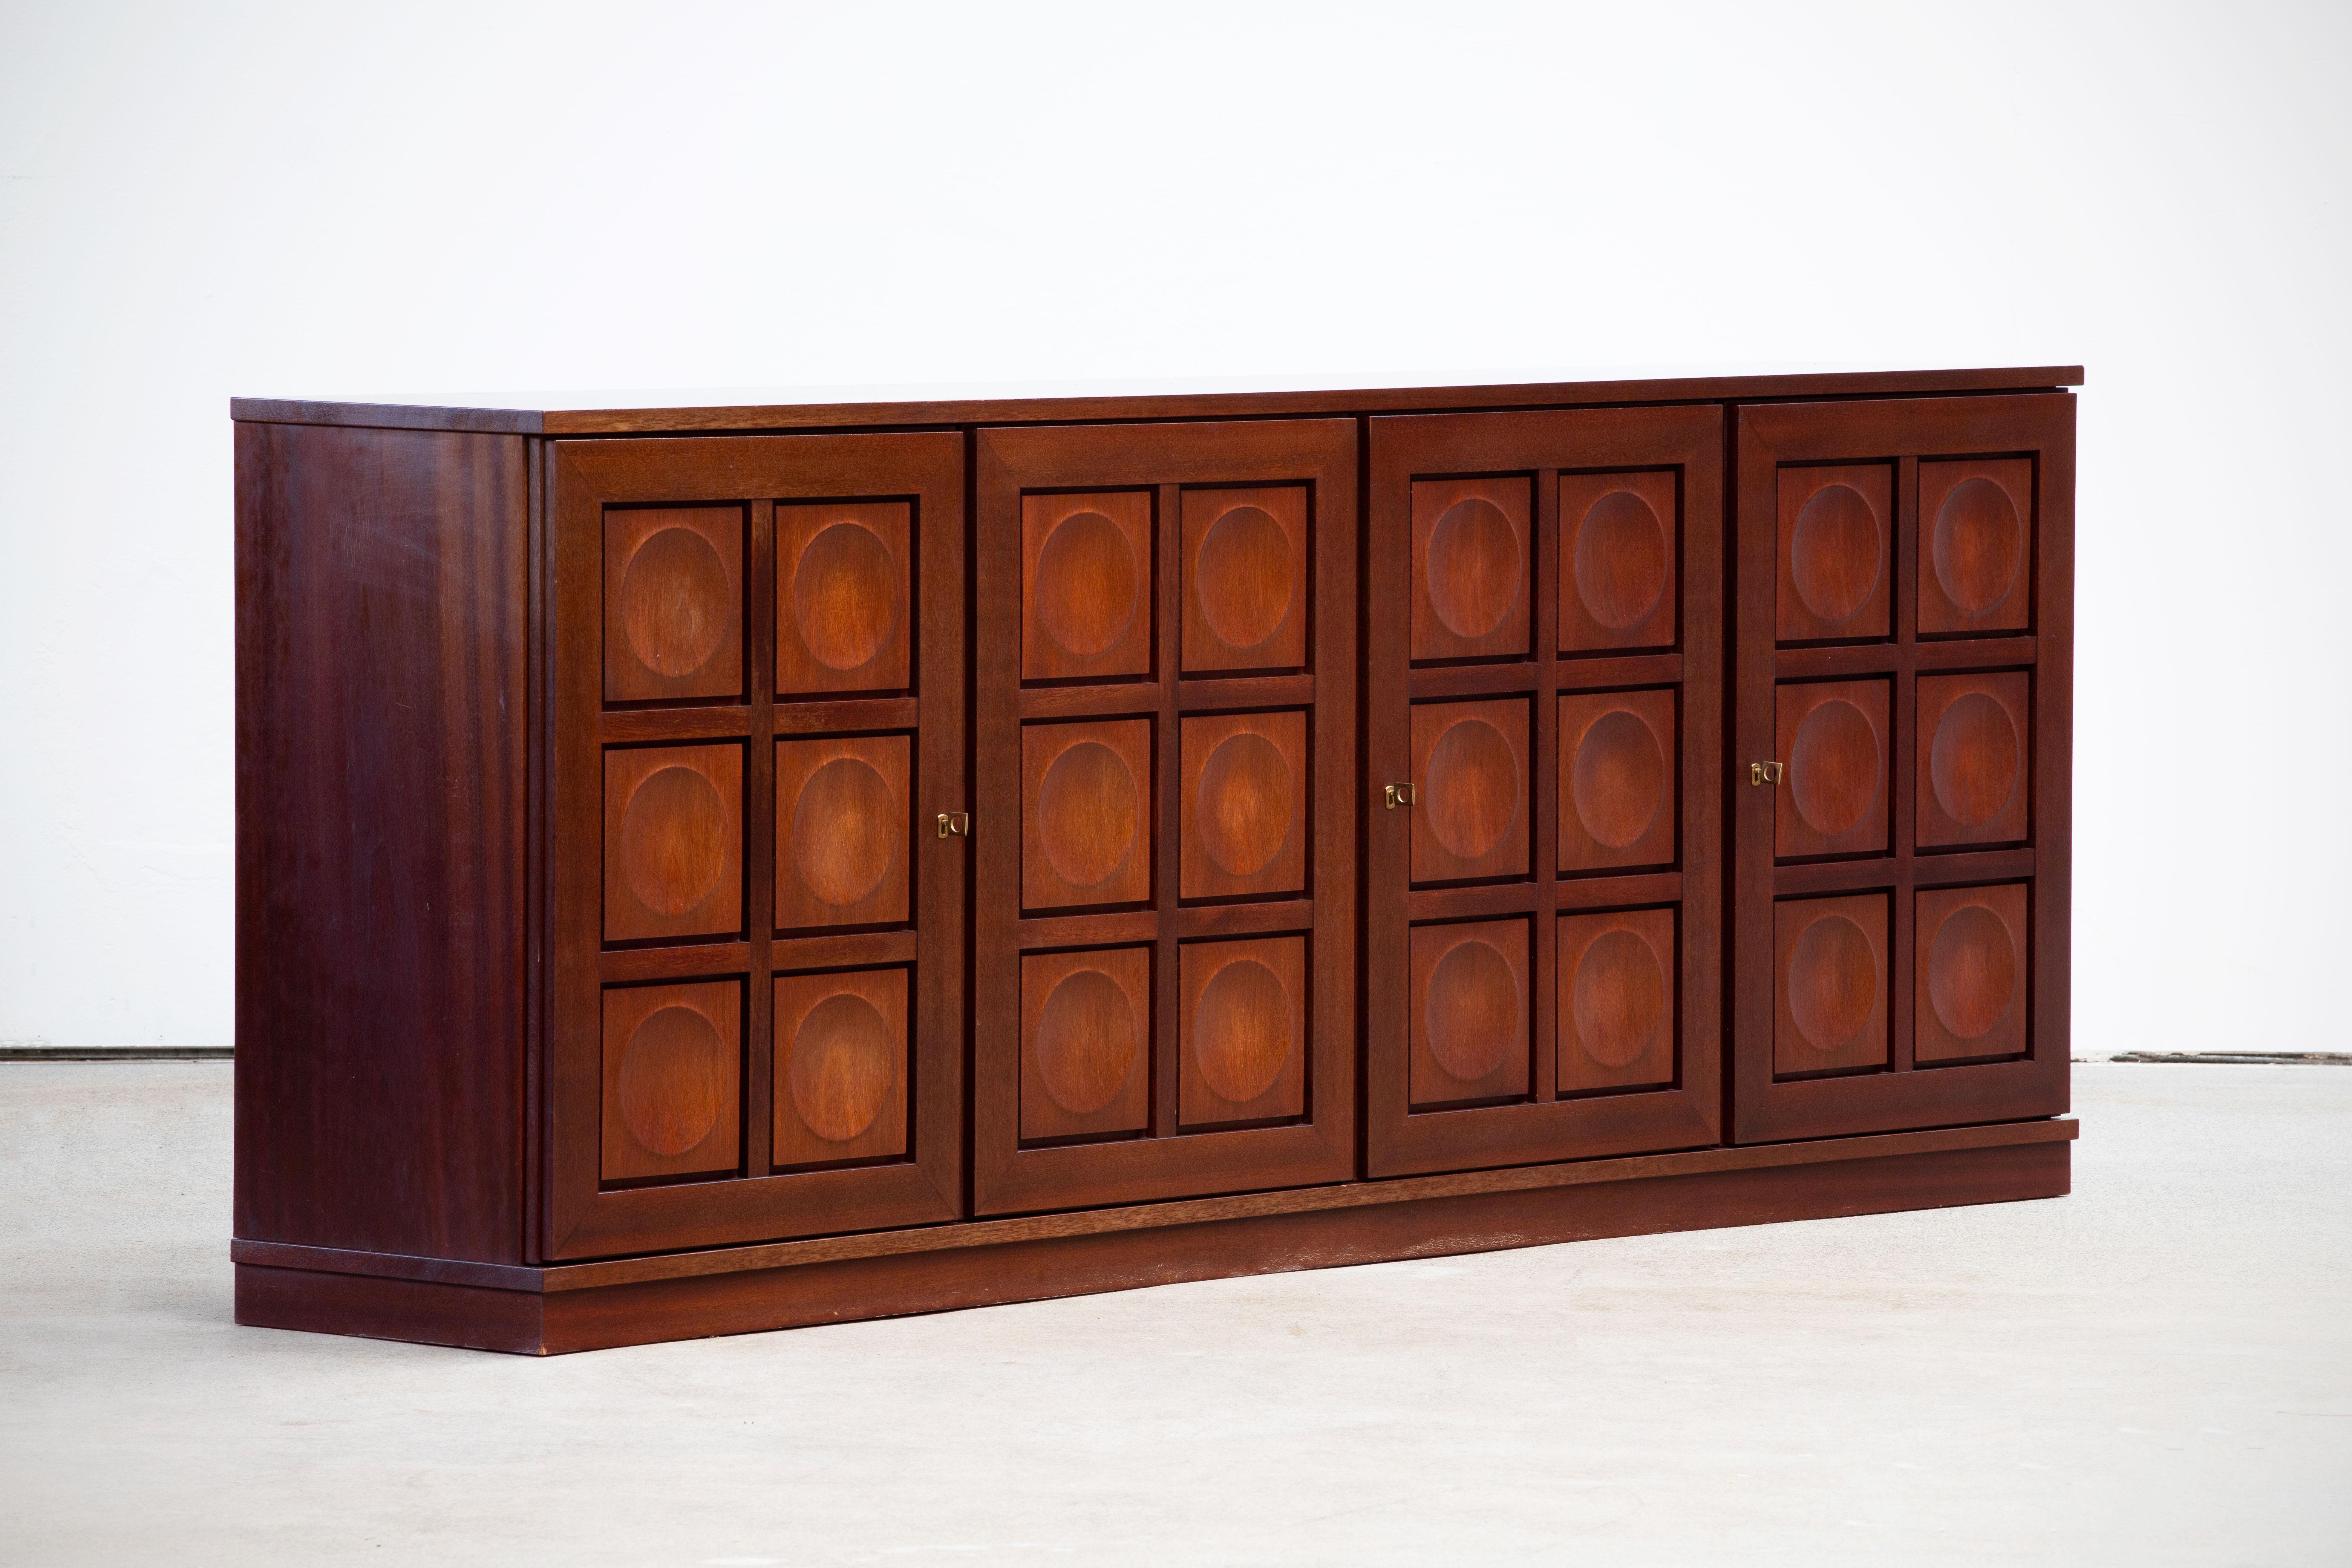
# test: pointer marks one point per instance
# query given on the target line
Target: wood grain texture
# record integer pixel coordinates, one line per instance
(673, 1080)
(1620, 565)
(1471, 1018)
(673, 851)
(1171, 890)
(1248, 591)
(846, 843)
(1831, 975)
(1088, 570)
(1836, 552)
(1472, 557)
(1976, 546)
(1243, 1025)
(990, 1263)
(845, 614)
(1837, 741)
(1244, 819)
(1086, 1043)
(673, 604)
(1618, 980)
(382, 642)
(1617, 788)
(1912, 441)
(1471, 773)
(1974, 773)
(1973, 965)
(841, 1067)
(788, 488)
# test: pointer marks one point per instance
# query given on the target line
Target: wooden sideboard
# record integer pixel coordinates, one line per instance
(727, 867)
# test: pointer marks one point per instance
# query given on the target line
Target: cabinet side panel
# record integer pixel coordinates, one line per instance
(381, 650)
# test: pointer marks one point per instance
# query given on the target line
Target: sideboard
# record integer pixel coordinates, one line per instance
(737, 865)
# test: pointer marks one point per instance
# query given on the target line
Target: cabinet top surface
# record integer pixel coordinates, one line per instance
(785, 409)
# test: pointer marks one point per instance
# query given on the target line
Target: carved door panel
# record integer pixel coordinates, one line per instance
(1163, 825)
(754, 1008)
(1905, 667)
(1544, 740)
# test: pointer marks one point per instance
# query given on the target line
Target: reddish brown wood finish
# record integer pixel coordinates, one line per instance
(1243, 1031)
(843, 500)
(1092, 872)
(1498, 834)
(941, 1268)
(2002, 704)
(672, 842)
(841, 1067)
(673, 604)
(1836, 739)
(1617, 1002)
(1972, 961)
(382, 639)
(673, 1080)
(1245, 569)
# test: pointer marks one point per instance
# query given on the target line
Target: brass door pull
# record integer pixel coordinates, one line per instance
(1764, 773)
(1395, 795)
(955, 823)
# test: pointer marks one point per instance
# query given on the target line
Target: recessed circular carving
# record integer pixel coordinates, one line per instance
(846, 598)
(1086, 584)
(1086, 814)
(1833, 983)
(1833, 767)
(1241, 1030)
(1620, 561)
(674, 601)
(845, 831)
(1242, 815)
(1973, 761)
(1618, 779)
(1835, 553)
(673, 1076)
(1979, 545)
(1471, 1012)
(674, 839)
(1474, 568)
(1243, 577)
(844, 1062)
(1473, 788)
(1618, 998)
(1971, 971)
(1087, 1041)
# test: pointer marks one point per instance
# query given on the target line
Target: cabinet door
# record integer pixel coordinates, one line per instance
(754, 1008)
(1545, 748)
(1904, 664)
(1164, 815)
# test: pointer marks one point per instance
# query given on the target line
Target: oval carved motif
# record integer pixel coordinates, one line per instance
(1619, 780)
(1620, 561)
(674, 838)
(845, 831)
(1241, 1030)
(1244, 810)
(1833, 767)
(1087, 814)
(1971, 971)
(675, 1072)
(1473, 1011)
(1618, 998)
(1836, 554)
(843, 1063)
(1978, 544)
(674, 601)
(1973, 761)
(1087, 584)
(846, 598)
(1243, 577)
(1087, 1041)
(1833, 983)
(1474, 568)
(1473, 788)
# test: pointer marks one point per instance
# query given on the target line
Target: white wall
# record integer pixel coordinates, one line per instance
(318, 199)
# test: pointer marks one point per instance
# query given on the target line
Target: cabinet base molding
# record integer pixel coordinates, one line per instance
(747, 1290)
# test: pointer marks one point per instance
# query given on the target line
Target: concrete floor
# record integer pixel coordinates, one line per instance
(2158, 1370)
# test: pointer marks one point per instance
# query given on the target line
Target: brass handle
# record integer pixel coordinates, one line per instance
(1395, 795)
(1764, 773)
(955, 823)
